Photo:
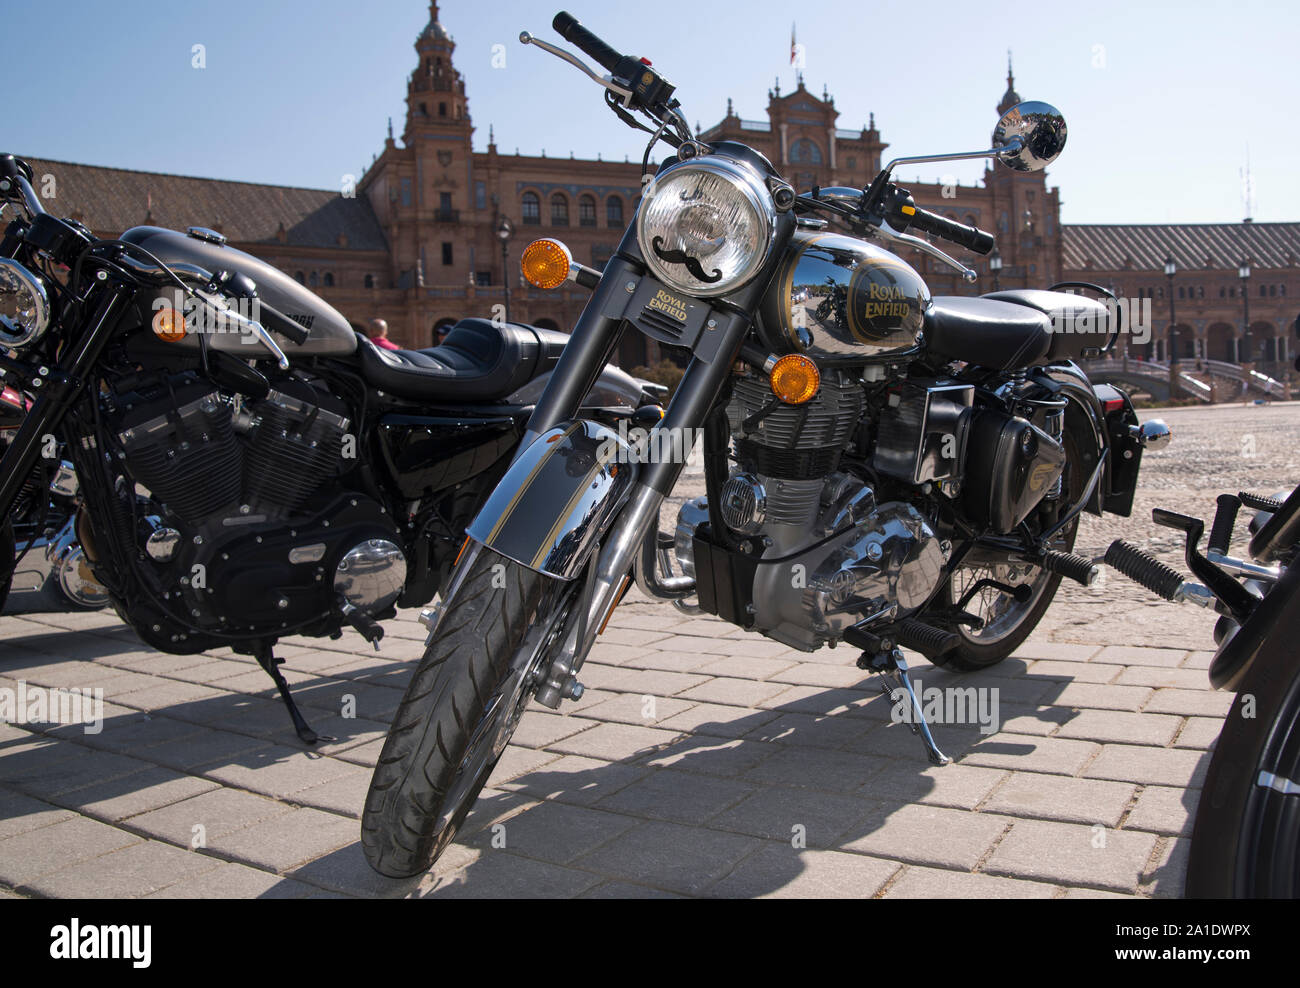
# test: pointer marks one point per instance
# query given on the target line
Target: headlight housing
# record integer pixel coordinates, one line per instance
(24, 306)
(706, 226)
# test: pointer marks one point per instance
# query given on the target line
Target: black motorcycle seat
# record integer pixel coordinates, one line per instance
(1001, 335)
(478, 361)
(1081, 326)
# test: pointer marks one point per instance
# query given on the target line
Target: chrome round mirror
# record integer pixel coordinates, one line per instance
(1029, 136)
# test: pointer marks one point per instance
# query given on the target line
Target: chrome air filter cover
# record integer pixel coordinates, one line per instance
(841, 300)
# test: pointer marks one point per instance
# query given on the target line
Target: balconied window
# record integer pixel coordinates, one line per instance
(531, 209)
(559, 210)
(614, 212)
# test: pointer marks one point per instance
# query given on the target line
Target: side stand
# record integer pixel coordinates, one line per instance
(893, 667)
(267, 660)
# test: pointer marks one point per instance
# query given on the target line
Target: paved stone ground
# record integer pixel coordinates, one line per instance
(699, 757)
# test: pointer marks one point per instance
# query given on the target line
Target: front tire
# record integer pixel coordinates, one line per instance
(445, 738)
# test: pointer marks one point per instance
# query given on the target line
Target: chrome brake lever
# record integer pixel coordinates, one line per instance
(968, 274)
(247, 326)
(624, 95)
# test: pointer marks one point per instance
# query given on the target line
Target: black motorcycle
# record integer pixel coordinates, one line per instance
(890, 470)
(228, 495)
(1246, 837)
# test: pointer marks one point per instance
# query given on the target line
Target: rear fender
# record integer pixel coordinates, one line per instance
(558, 498)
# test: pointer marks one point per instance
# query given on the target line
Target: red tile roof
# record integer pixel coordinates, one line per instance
(1194, 246)
(110, 200)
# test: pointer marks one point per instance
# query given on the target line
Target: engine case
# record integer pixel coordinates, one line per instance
(885, 564)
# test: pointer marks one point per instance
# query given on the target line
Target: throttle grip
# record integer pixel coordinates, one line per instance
(570, 29)
(278, 322)
(970, 237)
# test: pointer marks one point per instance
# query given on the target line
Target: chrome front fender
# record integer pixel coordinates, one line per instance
(557, 499)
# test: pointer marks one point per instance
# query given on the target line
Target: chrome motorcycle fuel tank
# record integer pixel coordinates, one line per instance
(840, 300)
(331, 334)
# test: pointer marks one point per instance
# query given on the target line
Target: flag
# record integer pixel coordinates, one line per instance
(794, 47)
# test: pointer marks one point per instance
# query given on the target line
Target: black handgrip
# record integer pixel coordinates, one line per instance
(1144, 569)
(1225, 518)
(276, 321)
(571, 29)
(970, 237)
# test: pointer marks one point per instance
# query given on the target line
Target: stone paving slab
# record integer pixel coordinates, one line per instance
(689, 770)
(702, 761)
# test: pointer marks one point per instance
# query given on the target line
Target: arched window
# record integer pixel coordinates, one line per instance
(299, 277)
(314, 280)
(805, 151)
(370, 281)
(587, 211)
(328, 280)
(559, 210)
(531, 209)
(614, 212)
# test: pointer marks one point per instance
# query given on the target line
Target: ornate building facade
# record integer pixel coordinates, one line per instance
(416, 239)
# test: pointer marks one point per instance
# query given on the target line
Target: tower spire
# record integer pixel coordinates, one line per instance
(1010, 98)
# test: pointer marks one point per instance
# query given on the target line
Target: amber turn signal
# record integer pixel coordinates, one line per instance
(546, 263)
(795, 379)
(169, 324)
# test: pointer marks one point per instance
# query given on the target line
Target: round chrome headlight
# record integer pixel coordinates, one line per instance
(706, 226)
(24, 306)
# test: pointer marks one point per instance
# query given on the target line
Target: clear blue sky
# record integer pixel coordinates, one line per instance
(1163, 100)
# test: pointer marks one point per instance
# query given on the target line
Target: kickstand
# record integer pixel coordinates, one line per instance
(267, 660)
(892, 666)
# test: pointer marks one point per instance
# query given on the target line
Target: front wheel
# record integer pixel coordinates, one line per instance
(460, 709)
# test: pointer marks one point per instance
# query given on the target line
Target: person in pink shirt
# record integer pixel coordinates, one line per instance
(379, 335)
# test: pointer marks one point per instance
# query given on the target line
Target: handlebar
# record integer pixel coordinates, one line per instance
(570, 29)
(276, 321)
(18, 175)
(970, 237)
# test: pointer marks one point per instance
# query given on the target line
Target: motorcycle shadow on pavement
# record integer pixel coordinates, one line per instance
(766, 803)
(750, 805)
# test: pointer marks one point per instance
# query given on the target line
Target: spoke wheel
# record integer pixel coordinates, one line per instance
(1007, 622)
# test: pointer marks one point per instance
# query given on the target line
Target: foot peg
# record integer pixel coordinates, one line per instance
(1078, 568)
(368, 628)
(1140, 567)
(267, 660)
(893, 667)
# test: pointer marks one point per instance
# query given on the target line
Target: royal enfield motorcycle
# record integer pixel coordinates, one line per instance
(883, 467)
(228, 495)
(1246, 837)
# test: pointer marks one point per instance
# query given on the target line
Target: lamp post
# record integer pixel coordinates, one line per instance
(504, 229)
(995, 265)
(1243, 272)
(1171, 269)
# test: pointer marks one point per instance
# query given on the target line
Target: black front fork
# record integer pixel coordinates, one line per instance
(57, 389)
